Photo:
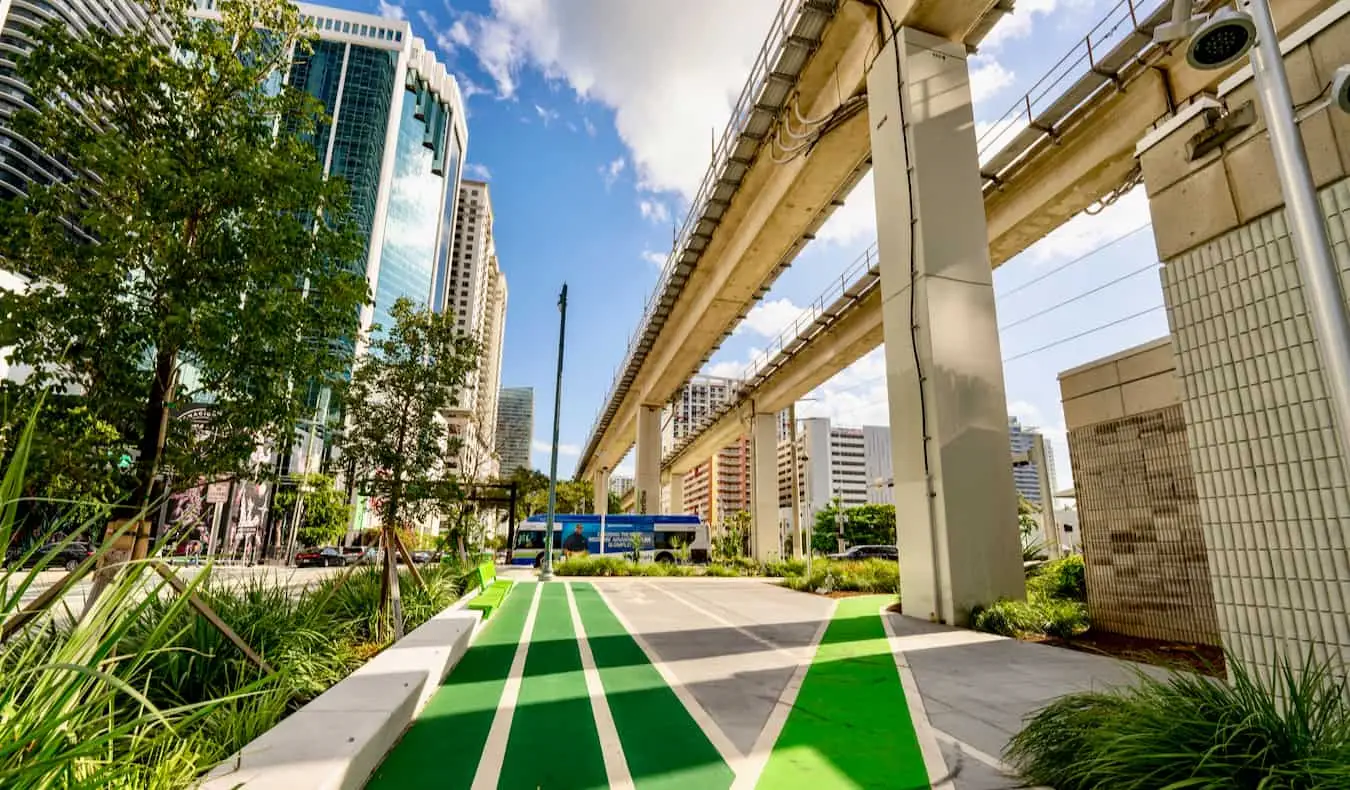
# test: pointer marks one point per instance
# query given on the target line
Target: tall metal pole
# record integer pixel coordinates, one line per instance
(798, 536)
(547, 574)
(1317, 267)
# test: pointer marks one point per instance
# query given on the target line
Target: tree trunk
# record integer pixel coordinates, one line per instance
(154, 429)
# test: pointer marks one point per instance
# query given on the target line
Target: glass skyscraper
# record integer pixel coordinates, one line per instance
(397, 136)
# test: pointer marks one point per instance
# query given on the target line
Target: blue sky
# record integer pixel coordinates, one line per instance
(592, 121)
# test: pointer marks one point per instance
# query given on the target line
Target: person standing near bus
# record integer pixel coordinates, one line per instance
(575, 543)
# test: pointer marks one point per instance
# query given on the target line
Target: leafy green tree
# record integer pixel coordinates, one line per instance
(615, 503)
(324, 514)
(865, 525)
(1029, 525)
(732, 538)
(397, 438)
(182, 260)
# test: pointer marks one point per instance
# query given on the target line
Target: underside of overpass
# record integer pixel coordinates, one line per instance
(948, 408)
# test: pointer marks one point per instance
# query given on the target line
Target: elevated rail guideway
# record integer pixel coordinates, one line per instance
(799, 140)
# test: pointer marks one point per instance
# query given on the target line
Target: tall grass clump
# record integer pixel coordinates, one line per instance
(1055, 604)
(1290, 731)
(865, 576)
(68, 716)
(352, 599)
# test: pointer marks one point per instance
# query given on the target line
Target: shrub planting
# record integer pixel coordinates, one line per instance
(866, 576)
(1289, 731)
(1056, 592)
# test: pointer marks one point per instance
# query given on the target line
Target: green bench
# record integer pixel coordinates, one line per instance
(494, 590)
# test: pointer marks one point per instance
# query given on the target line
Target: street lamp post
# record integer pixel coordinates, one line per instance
(547, 574)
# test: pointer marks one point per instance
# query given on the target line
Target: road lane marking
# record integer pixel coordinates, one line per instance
(616, 766)
(494, 751)
(918, 714)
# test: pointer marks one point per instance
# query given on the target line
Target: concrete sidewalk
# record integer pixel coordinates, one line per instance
(977, 689)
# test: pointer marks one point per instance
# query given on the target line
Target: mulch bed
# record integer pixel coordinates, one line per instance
(1202, 659)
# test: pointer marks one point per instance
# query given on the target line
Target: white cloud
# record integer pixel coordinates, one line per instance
(459, 34)
(391, 10)
(654, 211)
(1086, 232)
(856, 396)
(856, 220)
(540, 446)
(670, 77)
(611, 171)
(987, 77)
(548, 116)
(731, 368)
(1017, 24)
(770, 318)
(657, 259)
(588, 126)
(478, 171)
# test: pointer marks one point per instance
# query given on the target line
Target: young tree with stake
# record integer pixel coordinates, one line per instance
(397, 437)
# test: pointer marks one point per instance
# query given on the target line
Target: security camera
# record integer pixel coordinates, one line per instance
(1340, 89)
(1221, 39)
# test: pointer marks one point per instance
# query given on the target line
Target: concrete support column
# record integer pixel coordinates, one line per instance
(766, 542)
(600, 492)
(675, 494)
(647, 485)
(956, 510)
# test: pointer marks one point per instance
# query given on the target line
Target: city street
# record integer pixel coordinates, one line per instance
(294, 579)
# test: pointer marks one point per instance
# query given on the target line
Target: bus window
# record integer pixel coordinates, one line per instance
(530, 539)
(668, 540)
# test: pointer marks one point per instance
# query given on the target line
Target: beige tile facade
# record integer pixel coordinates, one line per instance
(1270, 473)
(1138, 512)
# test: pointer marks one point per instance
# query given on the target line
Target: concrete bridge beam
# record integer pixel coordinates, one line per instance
(956, 510)
(600, 492)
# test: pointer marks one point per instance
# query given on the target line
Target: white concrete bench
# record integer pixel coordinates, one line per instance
(337, 741)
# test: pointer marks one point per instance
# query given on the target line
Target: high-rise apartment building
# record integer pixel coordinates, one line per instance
(20, 162)
(850, 464)
(718, 488)
(692, 405)
(515, 428)
(620, 485)
(1026, 477)
(476, 294)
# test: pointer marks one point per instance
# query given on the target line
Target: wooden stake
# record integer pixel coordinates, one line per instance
(205, 610)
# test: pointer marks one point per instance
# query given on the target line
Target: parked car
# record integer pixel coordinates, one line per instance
(422, 557)
(867, 553)
(370, 555)
(70, 556)
(326, 557)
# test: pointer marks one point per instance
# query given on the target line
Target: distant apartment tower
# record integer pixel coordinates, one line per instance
(515, 428)
(721, 487)
(476, 296)
(851, 464)
(695, 401)
(1026, 477)
(620, 485)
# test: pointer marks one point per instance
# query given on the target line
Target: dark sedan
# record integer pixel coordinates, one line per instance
(69, 557)
(326, 557)
(868, 553)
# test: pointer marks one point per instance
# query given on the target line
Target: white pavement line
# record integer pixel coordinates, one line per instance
(918, 714)
(494, 751)
(725, 748)
(984, 757)
(770, 644)
(758, 759)
(616, 765)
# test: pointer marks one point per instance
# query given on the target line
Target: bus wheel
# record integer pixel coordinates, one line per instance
(665, 557)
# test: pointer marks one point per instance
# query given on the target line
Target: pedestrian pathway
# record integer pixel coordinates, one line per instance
(561, 691)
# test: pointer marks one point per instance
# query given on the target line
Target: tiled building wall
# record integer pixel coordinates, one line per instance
(1270, 476)
(1140, 528)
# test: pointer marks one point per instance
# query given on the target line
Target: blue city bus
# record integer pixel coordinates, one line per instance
(662, 536)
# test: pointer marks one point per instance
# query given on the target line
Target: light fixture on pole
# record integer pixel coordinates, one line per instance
(547, 573)
(1218, 41)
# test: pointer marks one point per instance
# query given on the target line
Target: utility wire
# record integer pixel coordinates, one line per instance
(1151, 267)
(1085, 333)
(1077, 260)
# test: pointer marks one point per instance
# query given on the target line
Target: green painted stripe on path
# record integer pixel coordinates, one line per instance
(664, 746)
(442, 747)
(850, 725)
(554, 744)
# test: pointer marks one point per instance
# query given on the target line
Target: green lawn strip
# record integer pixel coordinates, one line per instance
(554, 744)
(442, 747)
(850, 725)
(664, 746)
